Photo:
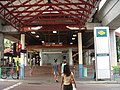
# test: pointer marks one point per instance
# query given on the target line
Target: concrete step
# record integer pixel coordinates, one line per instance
(38, 70)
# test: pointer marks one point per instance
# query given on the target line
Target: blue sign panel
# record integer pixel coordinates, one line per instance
(101, 32)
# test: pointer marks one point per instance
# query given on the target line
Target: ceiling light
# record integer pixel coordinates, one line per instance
(71, 43)
(50, 12)
(60, 42)
(82, 28)
(51, 52)
(73, 38)
(36, 28)
(33, 32)
(43, 41)
(54, 31)
(37, 36)
(74, 35)
(53, 43)
(73, 28)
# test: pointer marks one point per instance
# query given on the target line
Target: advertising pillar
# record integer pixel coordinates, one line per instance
(102, 52)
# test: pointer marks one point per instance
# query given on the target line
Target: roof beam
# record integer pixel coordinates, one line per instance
(46, 4)
(14, 22)
(48, 10)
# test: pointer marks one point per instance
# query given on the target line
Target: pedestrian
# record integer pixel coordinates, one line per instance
(55, 70)
(17, 69)
(67, 79)
(62, 66)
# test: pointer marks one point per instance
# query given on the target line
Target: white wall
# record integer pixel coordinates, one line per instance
(49, 58)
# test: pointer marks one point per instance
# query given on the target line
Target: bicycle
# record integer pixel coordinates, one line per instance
(9, 72)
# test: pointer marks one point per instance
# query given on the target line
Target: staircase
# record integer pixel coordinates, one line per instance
(38, 70)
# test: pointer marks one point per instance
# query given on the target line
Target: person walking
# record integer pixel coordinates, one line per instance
(55, 70)
(62, 66)
(67, 79)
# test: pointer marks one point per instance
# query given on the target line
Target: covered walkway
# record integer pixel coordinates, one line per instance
(57, 29)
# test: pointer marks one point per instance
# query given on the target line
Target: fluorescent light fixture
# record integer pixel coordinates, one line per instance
(50, 12)
(33, 32)
(73, 38)
(60, 42)
(43, 41)
(82, 28)
(37, 36)
(52, 52)
(73, 28)
(54, 31)
(53, 43)
(74, 35)
(50, 9)
(36, 28)
(71, 43)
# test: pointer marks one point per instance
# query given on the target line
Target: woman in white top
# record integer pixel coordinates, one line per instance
(67, 79)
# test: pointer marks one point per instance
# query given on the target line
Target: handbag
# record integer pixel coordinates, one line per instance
(73, 85)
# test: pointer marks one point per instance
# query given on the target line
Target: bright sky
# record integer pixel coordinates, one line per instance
(118, 30)
(101, 3)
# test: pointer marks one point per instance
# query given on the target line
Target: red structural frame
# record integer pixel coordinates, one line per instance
(24, 14)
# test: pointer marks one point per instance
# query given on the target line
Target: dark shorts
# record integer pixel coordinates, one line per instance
(68, 87)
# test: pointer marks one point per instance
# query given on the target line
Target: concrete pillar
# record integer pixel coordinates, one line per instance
(26, 59)
(30, 59)
(113, 52)
(40, 54)
(1, 45)
(70, 57)
(22, 69)
(80, 55)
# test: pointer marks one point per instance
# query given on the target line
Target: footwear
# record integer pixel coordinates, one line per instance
(57, 81)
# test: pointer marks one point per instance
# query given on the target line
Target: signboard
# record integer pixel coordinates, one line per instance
(102, 52)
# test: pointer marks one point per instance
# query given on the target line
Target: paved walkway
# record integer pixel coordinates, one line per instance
(50, 79)
(46, 82)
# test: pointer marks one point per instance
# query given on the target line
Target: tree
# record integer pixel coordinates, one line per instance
(118, 47)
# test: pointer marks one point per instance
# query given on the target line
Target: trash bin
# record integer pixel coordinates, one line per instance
(85, 72)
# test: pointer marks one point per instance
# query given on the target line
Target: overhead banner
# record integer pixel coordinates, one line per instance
(102, 52)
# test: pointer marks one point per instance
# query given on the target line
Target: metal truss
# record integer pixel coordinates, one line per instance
(24, 13)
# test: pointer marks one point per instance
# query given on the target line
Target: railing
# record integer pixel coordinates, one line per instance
(116, 73)
(88, 72)
(9, 72)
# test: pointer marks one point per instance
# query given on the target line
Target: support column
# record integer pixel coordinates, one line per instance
(113, 52)
(26, 58)
(1, 45)
(70, 57)
(22, 66)
(80, 55)
(40, 54)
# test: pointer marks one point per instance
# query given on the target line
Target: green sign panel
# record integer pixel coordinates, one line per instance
(103, 54)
